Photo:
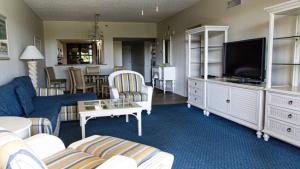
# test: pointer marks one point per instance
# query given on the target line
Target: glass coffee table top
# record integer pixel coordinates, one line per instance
(108, 104)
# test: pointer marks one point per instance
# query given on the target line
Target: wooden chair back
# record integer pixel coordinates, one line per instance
(78, 77)
(50, 75)
(92, 69)
(117, 68)
(71, 80)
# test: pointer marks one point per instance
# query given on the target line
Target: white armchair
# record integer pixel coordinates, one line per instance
(131, 85)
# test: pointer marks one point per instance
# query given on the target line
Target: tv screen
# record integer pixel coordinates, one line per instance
(245, 59)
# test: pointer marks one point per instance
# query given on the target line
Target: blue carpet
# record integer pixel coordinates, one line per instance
(196, 141)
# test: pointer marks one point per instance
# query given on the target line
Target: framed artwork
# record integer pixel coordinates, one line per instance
(3, 39)
(37, 43)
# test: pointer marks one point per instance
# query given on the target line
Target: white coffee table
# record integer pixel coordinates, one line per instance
(106, 108)
(18, 125)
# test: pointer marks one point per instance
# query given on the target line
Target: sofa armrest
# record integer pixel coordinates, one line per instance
(162, 160)
(114, 93)
(40, 125)
(118, 162)
(44, 145)
(49, 91)
(149, 91)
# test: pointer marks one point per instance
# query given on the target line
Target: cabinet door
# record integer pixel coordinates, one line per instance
(244, 104)
(217, 97)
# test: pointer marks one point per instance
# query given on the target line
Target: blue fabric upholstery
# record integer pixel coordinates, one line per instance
(25, 100)
(46, 107)
(72, 99)
(25, 81)
(9, 103)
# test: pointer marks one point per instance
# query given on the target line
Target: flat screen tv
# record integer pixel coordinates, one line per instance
(245, 59)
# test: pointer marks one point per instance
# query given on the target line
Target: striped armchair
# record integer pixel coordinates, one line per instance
(130, 85)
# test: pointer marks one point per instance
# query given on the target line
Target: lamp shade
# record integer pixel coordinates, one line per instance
(31, 53)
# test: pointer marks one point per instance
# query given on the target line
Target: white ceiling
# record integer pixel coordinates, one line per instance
(110, 10)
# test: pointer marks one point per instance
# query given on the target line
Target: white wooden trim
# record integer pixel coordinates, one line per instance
(282, 7)
(270, 51)
(296, 58)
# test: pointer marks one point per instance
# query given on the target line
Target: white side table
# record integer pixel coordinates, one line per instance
(18, 125)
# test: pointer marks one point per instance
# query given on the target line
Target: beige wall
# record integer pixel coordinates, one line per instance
(80, 30)
(246, 21)
(22, 25)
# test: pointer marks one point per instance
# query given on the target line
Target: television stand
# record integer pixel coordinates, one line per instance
(243, 81)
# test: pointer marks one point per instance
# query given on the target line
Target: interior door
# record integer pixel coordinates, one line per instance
(217, 97)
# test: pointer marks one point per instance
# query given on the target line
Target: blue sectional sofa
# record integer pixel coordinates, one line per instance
(46, 108)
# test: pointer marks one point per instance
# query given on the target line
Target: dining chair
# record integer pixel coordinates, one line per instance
(71, 80)
(92, 69)
(117, 68)
(52, 81)
(79, 81)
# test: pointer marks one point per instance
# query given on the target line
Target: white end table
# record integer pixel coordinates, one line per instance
(18, 125)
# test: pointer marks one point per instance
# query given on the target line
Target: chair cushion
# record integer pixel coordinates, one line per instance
(70, 158)
(25, 100)
(9, 102)
(46, 107)
(25, 81)
(134, 96)
(106, 147)
(128, 82)
(15, 154)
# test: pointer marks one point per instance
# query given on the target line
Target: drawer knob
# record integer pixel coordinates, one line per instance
(195, 99)
(195, 84)
(290, 102)
(227, 101)
(289, 130)
(195, 91)
(290, 116)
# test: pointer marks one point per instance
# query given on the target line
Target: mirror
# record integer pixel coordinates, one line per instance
(72, 52)
(167, 51)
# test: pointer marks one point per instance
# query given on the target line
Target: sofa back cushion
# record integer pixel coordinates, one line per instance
(128, 82)
(25, 100)
(25, 81)
(9, 103)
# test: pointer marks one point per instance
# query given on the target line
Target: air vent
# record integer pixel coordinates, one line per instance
(233, 3)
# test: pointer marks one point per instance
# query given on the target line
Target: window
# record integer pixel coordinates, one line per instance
(80, 53)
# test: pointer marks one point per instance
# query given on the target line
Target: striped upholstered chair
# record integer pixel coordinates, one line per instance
(126, 84)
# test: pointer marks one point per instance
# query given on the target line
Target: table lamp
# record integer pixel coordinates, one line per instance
(32, 54)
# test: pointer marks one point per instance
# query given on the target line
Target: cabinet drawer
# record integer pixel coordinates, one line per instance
(196, 91)
(196, 83)
(281, 128)
(284, 114)
(196, 100)
(284, 101)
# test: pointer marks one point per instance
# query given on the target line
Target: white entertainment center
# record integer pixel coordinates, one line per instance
(268, 108)
(241, 103)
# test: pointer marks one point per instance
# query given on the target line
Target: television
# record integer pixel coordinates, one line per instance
(245, 60)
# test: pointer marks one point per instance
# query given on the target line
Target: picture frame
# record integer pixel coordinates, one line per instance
(4, 49)
(37, 43)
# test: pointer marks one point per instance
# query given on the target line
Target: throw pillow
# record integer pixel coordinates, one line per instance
(25, 100)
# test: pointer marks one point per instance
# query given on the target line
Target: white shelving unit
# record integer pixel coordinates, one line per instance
(282, 114)
(241, 103)
(204, 51)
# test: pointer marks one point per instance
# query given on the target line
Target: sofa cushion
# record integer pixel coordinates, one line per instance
(9, 103)
(25, 100)
(72, 99)
(134, 96)
(14, 153)
(106, 147)
(70, 158)
(46, 107)
(25, 81)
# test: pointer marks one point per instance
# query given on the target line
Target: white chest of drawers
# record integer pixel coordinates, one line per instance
(282, 118)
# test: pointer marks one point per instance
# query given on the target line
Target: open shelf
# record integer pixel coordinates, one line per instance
(287, 37)
(286, 64)
(208, 62)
